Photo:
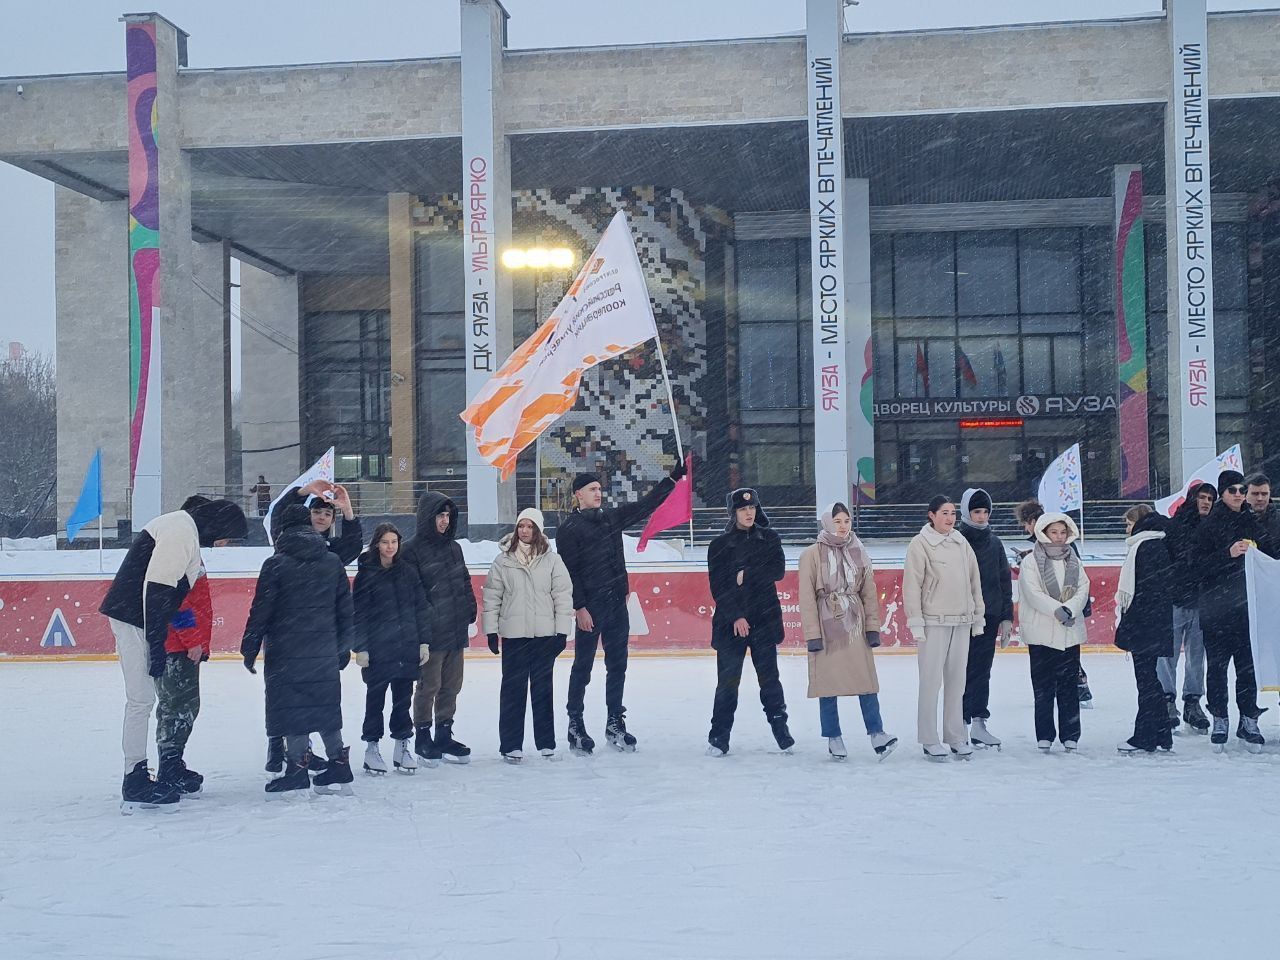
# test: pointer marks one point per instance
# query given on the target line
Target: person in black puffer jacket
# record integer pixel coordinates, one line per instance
(301, 620)
(1223, 538)
(436, 555)
(589, 542)
(744, 565)
(1187, 634)
(1145, 600)
(997, 596)
(392, 632)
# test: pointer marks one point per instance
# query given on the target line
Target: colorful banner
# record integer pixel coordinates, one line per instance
(1229, 459)
(1131, 334)
(144, 271)
(1061, 487)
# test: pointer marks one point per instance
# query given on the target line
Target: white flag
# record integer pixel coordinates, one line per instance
(1262, 581)
(605, 313)
(322, 469)
(1061, 488)
(1208, 473)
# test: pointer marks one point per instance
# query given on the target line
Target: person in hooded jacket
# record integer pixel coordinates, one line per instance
(1187, 635)
(435, 553)
(528, 613)
(1223, 538)
(840, 615)
(1144, 598)
(744, 565)
(997, 598)
(392, 631)
(589, 541)
(1053, 587)
(942, 594)
(301, 621)
(158, 571)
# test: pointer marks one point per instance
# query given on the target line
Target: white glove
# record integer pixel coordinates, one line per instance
(424, 653)
(1005, 633)
(362, 658)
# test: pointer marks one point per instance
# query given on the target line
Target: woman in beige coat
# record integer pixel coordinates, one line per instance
(840, 614)
(528, 609)
(942, 594)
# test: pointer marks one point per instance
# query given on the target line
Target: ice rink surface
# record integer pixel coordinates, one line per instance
(665, 853)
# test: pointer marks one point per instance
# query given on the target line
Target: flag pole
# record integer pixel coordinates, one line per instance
(671, 405)
(100, 566)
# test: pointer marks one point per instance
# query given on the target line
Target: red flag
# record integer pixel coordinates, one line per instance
(964, 369)
(675, 510)
(922, 367)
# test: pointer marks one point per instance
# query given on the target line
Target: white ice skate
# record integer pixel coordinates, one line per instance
(1069, 746)
(962, 751)
(373, 762)
(883, 744)
(981, 737)
(835, 747)
(717, 749)
(548, 754)
(1044, 746)
(513, 756)
(404, 760)
(936, 752)
(1127, 749)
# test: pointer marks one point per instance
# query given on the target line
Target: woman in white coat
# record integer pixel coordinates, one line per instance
(1052, 591)
(528, 613)
(942, 594)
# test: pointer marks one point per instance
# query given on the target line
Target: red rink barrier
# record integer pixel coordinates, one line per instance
(671, 608)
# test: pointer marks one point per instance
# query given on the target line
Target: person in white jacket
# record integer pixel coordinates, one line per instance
(1052, 591)
(528, 613)
(942, 593)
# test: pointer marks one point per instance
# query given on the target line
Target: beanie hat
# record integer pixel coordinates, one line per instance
(981, 500)
(532, 514)
(320, 503)
(582, 479)
(1229, 478)
(219, 520)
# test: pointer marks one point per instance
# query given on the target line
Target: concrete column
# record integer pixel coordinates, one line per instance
(90, 250)
(269, 398)
(486, 227)
(404, 382)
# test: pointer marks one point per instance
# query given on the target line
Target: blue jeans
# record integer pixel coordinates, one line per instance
(829, 712)
(1186, 636)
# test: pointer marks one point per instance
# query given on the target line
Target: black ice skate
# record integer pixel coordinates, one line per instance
(580, 742)
(1248, 731)
(296, 778)
(140, 792)
(174, 772)
(615, 733)
(275, 754)
(425, 747)
(450, 749)
(1193, 716)
(337, 776)
(315, 763)
(1218, 739)
(780, 733)
(1175, 719)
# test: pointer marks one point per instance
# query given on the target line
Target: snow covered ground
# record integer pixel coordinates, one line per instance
(662, 854)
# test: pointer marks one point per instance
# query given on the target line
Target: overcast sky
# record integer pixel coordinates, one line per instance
(83, 35)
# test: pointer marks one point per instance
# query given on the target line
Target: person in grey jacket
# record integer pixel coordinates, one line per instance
(528, 613)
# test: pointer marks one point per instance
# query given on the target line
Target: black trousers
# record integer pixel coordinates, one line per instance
(1055, 678)
(611, 629)
(729, 660)
(374, 701)
(1151, 726)
(527, 667)
(1226, 640)
(977, 674)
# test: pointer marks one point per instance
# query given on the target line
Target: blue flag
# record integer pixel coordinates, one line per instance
(89, 506)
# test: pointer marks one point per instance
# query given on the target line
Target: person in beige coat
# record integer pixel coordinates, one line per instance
(528, 613)
(1052, 591)
(840, 614)
(942, 594)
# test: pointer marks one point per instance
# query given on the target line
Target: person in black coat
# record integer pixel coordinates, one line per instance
(744, 565)
(1230, 531)
(1145, 599)
(997, 597)
(436, 555)
(589, 542)
(324, 500)
(392, 632)
(301, 620)
(1188, 636)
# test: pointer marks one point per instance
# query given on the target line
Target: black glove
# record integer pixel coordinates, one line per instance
(249, 659)
(678, 471)
(493, 643)
(873, 638)
(815, 645)
(343, 659)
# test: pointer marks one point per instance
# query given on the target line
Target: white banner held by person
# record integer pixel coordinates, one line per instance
(1262, 582)
(605, 313)
(1061, 488)
(322, 469)
(1229, 459)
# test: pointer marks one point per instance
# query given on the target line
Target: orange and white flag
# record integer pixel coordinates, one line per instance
(605, 313)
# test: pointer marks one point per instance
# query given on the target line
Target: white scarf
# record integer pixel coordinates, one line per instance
(1129, 569)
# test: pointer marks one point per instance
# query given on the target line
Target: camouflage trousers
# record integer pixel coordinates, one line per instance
(177, 704)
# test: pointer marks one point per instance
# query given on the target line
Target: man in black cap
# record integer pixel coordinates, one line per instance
(1223, 538)
(589, 542)
(744, 565)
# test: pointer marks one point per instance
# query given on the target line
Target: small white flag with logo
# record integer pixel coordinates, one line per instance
(322, 469)
(1061, 488)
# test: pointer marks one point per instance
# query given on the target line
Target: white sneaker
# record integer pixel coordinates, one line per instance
(513, 756)
(935, 752)
(404, 759)
(373, 762)
(549, 754)
(1044, 745)
(1069, 746)
(962, 750)
(835, 747)
(980, 736)
(883, 744)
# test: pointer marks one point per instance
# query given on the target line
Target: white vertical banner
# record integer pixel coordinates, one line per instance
(1192, 387)
(832, 391)
(486, 223)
